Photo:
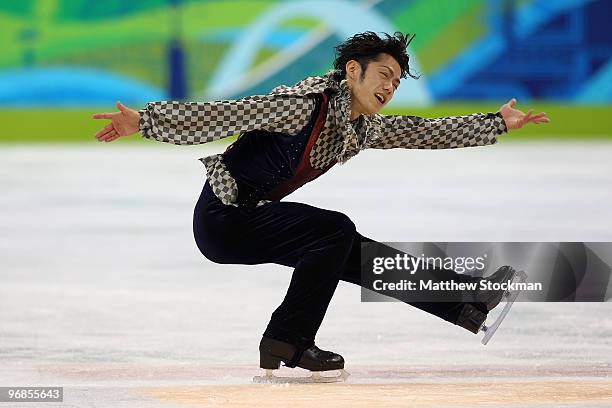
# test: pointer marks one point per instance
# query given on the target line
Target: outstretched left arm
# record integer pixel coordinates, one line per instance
(516, 119)
(479, 129)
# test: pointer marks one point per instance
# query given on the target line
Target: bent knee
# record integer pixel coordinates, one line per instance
(348, 226)
(341, 225)
(211, 251)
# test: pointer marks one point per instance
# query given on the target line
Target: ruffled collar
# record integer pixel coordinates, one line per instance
(340, 118)
(368, 126)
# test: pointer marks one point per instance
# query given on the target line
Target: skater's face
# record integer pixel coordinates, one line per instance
(373, 88)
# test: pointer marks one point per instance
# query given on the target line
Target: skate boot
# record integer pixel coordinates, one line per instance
(471, 318)
(272, 352)
(509, 296)
(474, 315)
(487, 300)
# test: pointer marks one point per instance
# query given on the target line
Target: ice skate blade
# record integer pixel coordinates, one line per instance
(509, 297)
(315, 378)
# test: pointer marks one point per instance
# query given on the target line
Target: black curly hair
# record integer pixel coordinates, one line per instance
(365, 47)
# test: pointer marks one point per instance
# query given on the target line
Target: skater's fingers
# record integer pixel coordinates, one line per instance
(110, 136)
(104, 133)
(541, 120)
(107, 135)
(528, 116)
(542, 115)
(104, 136)
(106, 115)
(104, 130)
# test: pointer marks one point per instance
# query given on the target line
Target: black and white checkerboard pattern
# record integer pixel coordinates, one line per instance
(221, 181)
(412, 132)
(202, 122)
(288, 109)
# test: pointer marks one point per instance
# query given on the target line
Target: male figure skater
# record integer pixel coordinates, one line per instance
(290, 137)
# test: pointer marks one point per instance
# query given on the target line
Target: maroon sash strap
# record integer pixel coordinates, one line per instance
(304, 172)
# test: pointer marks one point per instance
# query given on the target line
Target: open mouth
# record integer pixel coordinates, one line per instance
(380, 98)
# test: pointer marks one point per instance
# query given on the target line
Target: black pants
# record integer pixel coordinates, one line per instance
(321, 245)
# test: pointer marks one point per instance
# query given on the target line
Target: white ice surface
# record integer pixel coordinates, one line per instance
(98, 267)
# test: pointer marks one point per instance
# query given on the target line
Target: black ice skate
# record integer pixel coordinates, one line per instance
(509, 296)
(272, 352)
(473, 316)
(487, 300)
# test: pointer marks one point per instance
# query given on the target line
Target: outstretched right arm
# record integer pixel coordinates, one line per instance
(123, 123)
(202, 122)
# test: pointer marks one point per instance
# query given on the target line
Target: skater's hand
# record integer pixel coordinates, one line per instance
(123, 123)
(516, 119)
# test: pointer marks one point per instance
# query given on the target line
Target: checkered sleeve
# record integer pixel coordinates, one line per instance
(413, 132)
(188, 123)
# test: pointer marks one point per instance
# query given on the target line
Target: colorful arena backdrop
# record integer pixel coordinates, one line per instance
(62, 60)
